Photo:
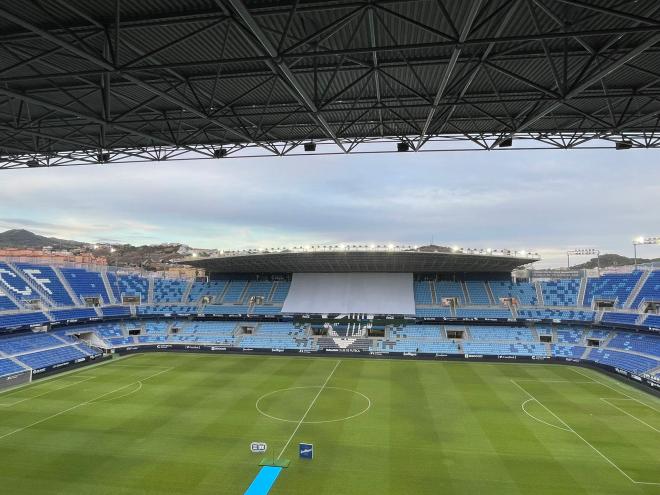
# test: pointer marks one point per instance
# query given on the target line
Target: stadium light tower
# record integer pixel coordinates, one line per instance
(582, 252)
(643, 240)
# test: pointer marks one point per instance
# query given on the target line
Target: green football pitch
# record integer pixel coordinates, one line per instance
(183, 423)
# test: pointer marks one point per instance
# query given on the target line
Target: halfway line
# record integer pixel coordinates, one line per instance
(309, 408)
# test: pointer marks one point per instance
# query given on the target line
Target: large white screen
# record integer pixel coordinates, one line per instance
(372, 293)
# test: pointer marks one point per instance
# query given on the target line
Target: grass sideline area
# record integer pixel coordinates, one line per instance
(183, 423)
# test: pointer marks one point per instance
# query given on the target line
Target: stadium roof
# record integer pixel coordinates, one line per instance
(89, 81)
(387, 261)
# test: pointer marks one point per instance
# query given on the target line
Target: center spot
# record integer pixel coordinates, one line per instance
(332, 404)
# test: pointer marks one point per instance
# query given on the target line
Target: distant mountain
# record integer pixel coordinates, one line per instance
(610, 260)
(20, 238)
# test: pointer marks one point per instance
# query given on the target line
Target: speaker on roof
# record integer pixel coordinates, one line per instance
(623, 145)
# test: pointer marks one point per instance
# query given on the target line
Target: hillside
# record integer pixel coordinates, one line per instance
(148, 257)
(610, 260)
(20, 238)
(117, 255)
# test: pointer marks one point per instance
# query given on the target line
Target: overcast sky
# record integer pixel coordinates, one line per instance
(545, 201)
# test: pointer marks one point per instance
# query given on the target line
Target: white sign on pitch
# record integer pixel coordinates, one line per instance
(258, 447)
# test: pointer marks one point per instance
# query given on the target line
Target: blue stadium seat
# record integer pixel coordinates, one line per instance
(630, 362)
(567, 351)
(258, 289)
(422, 292)
(281, 291)
(477, 292)
(9, 367)
(652, 321)
(500, 333)
(234, 292)
(621, 318)
(115, 311)
(598, 334)
(494, 349)
(650, 291)
(28, 342)
(218, 309)
(12, 283)
(560, 292)
(169, 290)
(105, 330)
(276, 342)
(59, 355)
(443, 312)
(417, 332)
(167, 309)
(86, 283)
(213, 289)
(277, 329)
(6, 304)
(18, 320)
(133, 285)
(73, 314)
(523, 292)
(449, 289)
(47, 279)
(569, 336)
(556, 314)
(612, 287)
(638, 342)
(113, 281)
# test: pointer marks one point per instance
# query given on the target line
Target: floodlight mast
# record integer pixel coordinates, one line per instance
(583, 252)
(639, 241)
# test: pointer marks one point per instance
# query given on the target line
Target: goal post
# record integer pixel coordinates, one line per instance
(15, 379)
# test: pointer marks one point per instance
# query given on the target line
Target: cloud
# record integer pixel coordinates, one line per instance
(545, 201)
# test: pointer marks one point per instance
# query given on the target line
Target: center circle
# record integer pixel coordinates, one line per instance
(291, 404)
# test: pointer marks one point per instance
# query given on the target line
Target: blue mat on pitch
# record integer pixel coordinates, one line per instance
(264, 481)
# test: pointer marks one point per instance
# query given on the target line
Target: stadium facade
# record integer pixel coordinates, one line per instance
(371, 302)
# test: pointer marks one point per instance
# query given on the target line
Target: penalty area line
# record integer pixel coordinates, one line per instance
(612, 388)
(628, 414)
(90, 401)
(569, 428)
(87, 378)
